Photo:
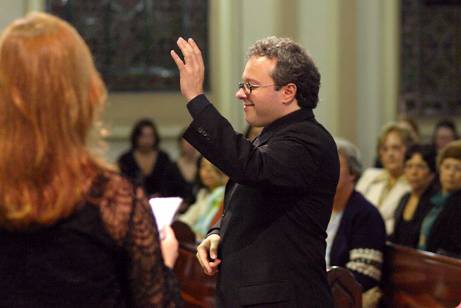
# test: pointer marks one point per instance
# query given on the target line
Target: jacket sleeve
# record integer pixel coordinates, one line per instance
(367, 243)
(285, 162)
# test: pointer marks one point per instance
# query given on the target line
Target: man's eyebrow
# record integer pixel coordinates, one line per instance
(250, 80)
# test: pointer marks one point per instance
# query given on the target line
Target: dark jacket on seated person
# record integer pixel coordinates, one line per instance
(359, 242)
(164, 180)
(445, 234)
(406, 232)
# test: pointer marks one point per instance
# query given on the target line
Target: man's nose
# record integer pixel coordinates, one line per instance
(240, 94)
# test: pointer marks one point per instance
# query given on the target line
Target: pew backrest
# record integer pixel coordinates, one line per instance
(414, 278)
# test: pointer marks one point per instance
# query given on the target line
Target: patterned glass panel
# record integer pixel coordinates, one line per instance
(131, 39)
(430, 83)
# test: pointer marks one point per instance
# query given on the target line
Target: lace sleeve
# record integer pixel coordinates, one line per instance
(130, 222)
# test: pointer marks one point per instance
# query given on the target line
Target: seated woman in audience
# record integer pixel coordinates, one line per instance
(187, 163)
(440, 229)
(444, 132)
(411, 125)
(385, 187)
(148, 166)
(356, 232)
(406, 123)
(413, 207)
(73, 233)
(204, 212)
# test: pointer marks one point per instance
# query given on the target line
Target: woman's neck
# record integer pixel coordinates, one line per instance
(145, 151)
(394, 175)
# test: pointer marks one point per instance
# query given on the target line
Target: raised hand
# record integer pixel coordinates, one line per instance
(191, 70)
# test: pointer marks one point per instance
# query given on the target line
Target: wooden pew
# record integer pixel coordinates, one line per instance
(414, 278)
(198, 290)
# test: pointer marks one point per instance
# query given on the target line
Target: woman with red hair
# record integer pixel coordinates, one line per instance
(73, 233)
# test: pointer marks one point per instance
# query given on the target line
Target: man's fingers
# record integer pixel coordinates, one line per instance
(201, 263)
(214, 264)
(197, 52)
(203, 260)
(187, 51)
(214, 249)
(177, 60)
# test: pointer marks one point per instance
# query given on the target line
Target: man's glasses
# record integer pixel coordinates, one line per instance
(248, 87)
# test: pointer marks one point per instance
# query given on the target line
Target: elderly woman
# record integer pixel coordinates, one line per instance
(414, 205)
(440, 228)
(385, 187)
(356, 232)
(73, 233)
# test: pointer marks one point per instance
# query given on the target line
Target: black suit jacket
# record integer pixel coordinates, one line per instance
(277, 206)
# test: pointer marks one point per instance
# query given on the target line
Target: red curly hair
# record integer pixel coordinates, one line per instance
(50, 96)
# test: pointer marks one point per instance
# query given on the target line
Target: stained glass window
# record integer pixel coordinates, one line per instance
(430, 75)
(131, 39)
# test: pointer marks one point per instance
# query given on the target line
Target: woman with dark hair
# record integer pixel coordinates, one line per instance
(440, 227)
(148, 166)
(420, 174)
(444, 132)
(187, 164)
(73, 233)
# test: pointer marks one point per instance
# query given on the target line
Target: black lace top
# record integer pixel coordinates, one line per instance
(106, 254)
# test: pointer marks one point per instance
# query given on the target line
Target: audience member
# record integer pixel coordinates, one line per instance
(187, 160)
(187, 163)
(444, 132)
(210, 197)
(148, 166)
(440, 228)
(408, 124)
(411, 125)
(356, 231)
(414, 205)
(72, 232)
(385, 187)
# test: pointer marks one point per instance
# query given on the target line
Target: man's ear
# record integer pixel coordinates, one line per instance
(289, 93)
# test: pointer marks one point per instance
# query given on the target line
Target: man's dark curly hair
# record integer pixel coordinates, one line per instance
(294, 65)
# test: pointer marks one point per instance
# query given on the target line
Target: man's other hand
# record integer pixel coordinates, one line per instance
(207, 254)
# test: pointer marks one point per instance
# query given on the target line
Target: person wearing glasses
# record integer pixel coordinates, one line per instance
(439, 231)
(420, 173)
(269, 246)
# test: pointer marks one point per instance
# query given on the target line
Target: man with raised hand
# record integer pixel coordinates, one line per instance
(269, 245)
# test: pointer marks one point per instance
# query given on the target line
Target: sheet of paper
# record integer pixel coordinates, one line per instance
(164, 210)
